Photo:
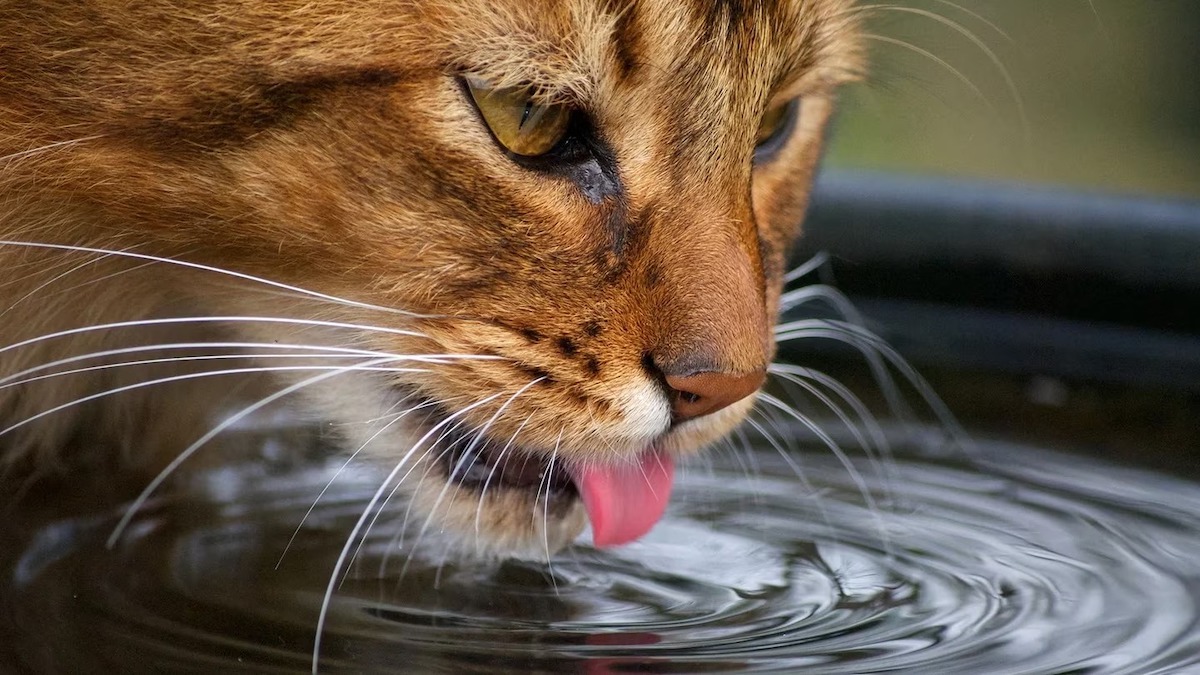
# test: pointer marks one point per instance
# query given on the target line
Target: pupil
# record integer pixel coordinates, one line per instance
(525, 114)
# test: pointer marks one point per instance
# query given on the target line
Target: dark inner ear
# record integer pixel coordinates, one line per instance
(233, 114)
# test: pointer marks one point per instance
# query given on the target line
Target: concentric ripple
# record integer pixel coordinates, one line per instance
(1024, 561)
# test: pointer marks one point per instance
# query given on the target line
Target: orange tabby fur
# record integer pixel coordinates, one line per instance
(329, 145)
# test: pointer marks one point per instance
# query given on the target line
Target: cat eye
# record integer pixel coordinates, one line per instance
(773, 129)
(522, 125)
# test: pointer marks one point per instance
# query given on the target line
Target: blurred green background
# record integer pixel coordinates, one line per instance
(1105, 94)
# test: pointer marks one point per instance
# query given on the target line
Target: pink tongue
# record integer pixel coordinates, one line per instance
(625, 501)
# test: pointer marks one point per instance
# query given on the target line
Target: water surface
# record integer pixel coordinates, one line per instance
(1024, 561)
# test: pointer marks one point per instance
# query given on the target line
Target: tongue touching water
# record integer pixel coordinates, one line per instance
(1021, 561)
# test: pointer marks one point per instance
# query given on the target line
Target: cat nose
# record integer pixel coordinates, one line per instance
(699, 394)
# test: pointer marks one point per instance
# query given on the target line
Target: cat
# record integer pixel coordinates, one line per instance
(525, 254)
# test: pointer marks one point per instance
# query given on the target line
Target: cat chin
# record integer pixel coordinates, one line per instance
(502, 523)
(524, 505)
(488, 495)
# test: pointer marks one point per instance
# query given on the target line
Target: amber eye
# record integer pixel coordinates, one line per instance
(521, 124)
(774, 126)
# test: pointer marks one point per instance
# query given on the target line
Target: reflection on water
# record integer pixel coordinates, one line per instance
(1025, 562)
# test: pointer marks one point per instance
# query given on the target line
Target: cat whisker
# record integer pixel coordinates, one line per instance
(855, 476)
(744, 455)
(9, 160)
(168, 321)
(878, 443)
(36, 267)
(958, 74)
(479, 436)
(395, 543)
(785, 433)
(860, 439)
(873, 443)
(441, 567)
(544, 484)
(51, 281)
(835, 298)
(642, 470)
(192, 376)
(789, 458)
(221, 357)
(492, 473)
(434, 446)
(862, 340)
(1100, 22)
(983, 47)
(873, 346)
(340, 563)
(216, 270)
(819, 260)
(978, 17)
(43, 267)
(337, 352)
(342, 468)
(214, 432)
(391, 412)
(482, 433)
(441, 452)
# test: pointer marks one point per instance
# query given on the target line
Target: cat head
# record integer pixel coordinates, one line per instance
(585, 205)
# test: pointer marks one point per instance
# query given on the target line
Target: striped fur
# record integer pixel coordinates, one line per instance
(329, 145)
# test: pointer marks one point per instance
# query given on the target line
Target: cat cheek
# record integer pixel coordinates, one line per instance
(781, 188)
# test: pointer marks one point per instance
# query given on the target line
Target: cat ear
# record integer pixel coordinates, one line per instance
(519, 123)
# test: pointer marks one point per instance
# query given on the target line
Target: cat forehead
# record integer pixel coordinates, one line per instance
(570, 45)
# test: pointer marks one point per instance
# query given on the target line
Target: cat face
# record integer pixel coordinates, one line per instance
(604, 304)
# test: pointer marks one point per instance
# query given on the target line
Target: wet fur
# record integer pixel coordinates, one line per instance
(329, 146)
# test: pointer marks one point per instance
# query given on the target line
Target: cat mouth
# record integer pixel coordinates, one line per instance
(482, 464)
(623, 499)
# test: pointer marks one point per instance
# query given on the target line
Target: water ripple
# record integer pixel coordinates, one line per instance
(1024, 562)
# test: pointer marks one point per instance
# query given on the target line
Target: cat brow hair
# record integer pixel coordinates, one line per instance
(616, 41)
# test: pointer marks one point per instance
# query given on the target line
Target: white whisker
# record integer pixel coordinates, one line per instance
(1018, 100)
(958, 74)
(547, 482)
(8, 160)
(215, 270)
(191, 376)
(866, 418)
(832, 296)
(212, 433)
(842, 457)
(49, 282)
(965, 10)
(482, 433)
(870, 344)
(354, 532)
(168, 321)
(790, 459)
(876, 447)
(391, 412)
(744, 456)
(479, 435)
(499, 462)
(340, 469)
(819, 260)
(429, 466)
(338, 352)
(867, 344)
